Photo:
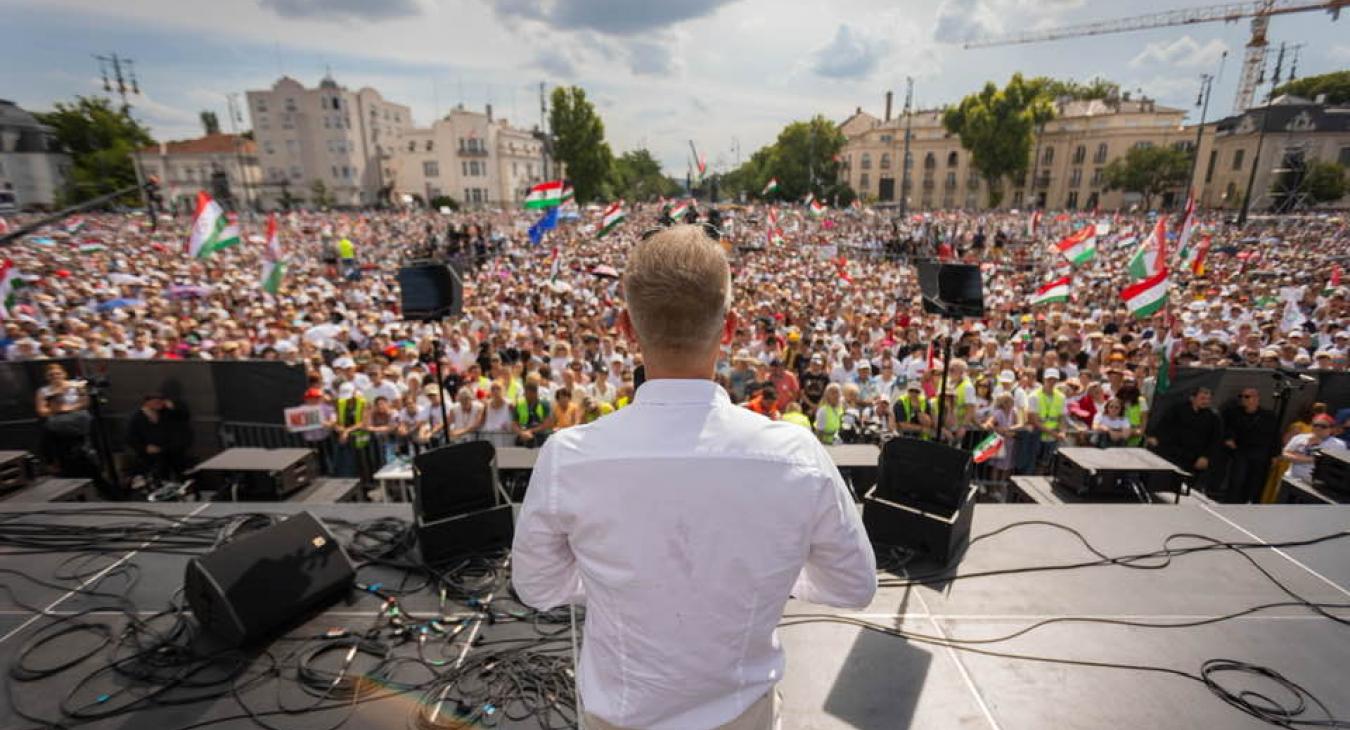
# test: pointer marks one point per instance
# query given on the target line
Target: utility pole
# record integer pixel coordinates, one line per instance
(1260, 140)
(904, 160)
(1202, 101)
(236, 118)
(543, 129)
(126, 82)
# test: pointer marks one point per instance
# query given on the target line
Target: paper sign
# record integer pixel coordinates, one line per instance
(304, 418)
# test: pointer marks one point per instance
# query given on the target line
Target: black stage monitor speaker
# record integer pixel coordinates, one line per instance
(454, 480)
(923, 473)
(429, 291)
(249, 588)
(951, 290)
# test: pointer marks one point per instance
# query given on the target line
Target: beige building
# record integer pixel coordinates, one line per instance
(224, 165)
(1065, 171)
(33, 169)
(331, 136)
(469, 156)
(1298, 132)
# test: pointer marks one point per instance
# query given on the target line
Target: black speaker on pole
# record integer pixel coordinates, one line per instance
(456, 503)
(263, 582)
(923, 499)
(429, 291)
(951, 290)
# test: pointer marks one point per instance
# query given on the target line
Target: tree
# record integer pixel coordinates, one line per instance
(1336, 85)
(100, 141)
(579, 142)
(210, 123)
(1096, 88)
(804, 158)
(1325, 182)
(636, 175)
(321, 197)
(1149, 171)
(997, 127)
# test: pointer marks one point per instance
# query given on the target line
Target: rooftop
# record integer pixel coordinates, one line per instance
(210, 144)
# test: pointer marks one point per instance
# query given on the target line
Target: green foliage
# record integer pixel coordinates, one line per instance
(1149, 171)
(100, 141)
(803, 151)
(579, 142)
(636, 175)
(320, 192)
(1336, 85)
(443, 201)
(210, 123)
(1096, 88)
(1326, 181)
(998, 128)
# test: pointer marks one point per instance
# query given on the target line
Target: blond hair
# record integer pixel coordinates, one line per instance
(677, 285)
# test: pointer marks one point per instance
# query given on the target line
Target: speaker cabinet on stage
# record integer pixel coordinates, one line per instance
(456, 502)
(253, 586)
(1331, 470)
(257, 474)
(429, 291)
(923, 499)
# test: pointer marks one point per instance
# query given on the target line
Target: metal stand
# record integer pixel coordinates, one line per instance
(440, 385)
(942, 390)
(99, 436)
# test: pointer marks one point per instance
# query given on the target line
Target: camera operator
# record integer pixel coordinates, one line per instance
(158, 435)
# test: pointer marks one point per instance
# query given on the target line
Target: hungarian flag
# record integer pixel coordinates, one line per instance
(612, 217)
(91, 247)
(817, 209)
(1151, 256)
(9, 284)
(1053, 291)
(556, 268)
(1193, 258)
(775, 236)
(1033, 223)
(988, 448)
(769, 188)
(4, 226)
(568, 193)
(212, 229)
(772, 217)
(678, 210)
(1145, 298)
(274, 268)
(1187, 223)
(807, 200)
(1080, 246)
(1335, 276)
(73, 225)
(545, 195)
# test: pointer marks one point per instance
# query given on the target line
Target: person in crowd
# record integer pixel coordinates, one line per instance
(734, 488)
(1249, 433)
(813, 383)
(534, 418)
(1302, 449)
(466, 419)
(157, 437)
(1003, 420)
(1188, 435)
(765, 403)
(566, 411)
(62, 404)
(592, 409)
(1110, 426)
(1046, 411)
(910, 414)
(830, 415)
(792, 413)
(382, 425)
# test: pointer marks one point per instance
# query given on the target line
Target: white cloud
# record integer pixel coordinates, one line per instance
(852, 53)
(1184, 52)
(1339, 53)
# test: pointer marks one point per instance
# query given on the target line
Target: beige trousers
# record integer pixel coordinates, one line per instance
(763, 715)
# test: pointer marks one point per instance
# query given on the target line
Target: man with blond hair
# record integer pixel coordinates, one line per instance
(683, 522)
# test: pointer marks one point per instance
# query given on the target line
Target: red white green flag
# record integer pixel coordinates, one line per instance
(212, 229)
(1151, 256)
(678, 210)
(545, 195)
(817, 209)
(611, 219)
(770, 188)
(9, 282)
(988, 448)
(1187, 224)
(1194, 258)
(1033, 223)
(274, 267)
(1145, 298)
(775, 236)
(1080, 246)
(1052, 291)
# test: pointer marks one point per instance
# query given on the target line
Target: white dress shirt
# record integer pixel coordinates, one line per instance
(684, 523)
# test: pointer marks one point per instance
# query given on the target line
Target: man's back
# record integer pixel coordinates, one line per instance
(688, 522)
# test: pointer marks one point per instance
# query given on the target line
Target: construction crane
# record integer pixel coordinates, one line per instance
(1260, 11)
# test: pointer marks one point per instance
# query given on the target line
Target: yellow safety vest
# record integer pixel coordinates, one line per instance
(523, 414)
(1049, 415)
(358, 406)
(604, 408)
(903, 400)
(798, 418)
(834, 420)
(961, 394)
(346, 249)
(621, 402)
(1134, 413)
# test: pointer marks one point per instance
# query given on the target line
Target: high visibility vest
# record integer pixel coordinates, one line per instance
(604, 410)
(798, 418)
(357, 405)
(1134, 413)
(912, 409)
(834, 420)
(523, 414)
(961, 394)
(346, 249)
(1049, 409)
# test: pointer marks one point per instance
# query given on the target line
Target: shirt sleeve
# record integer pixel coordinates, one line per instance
(841, 569)
(544, 569)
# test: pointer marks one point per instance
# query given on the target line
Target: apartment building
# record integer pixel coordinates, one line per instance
(224, 165)
(472, 157)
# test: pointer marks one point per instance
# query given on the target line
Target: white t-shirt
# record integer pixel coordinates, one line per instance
(1114, 423)
(1302, 444)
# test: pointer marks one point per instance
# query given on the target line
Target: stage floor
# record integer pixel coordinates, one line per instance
(842, 676)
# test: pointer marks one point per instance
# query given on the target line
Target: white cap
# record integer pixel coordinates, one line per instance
(1007, 376)
(344, 362)
(1051, 373)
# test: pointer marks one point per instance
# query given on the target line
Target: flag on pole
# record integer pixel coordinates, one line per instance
(769, 188)
(91, 248)
(775, 236)
(1150, 257)
(772, 217)
(1335, 276)
(678, 210)
(817, 209)
(1145, 298)
(547, 222)
(545, 195)
(1194, 257)
(556, 268)
(9, 284)
(1187, 224)
(610, 220)
(988, 448)
(568, 194)
(1052, 291)
(274, 267)
(4, 226)
(212, 229)
(1033, 223)
(807, 200)
(1080, 246)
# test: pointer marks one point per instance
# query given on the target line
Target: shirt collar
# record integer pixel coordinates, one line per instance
(671, 391)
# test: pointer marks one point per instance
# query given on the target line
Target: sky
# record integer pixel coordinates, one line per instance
(727, 74)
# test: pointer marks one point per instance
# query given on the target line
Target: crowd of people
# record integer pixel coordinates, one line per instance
(833, 334)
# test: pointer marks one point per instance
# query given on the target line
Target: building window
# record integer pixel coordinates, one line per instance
(515, 169)
(1049, 156)
(268, 148)
(428, 145)
(261, 105)
(929, 161)
(953, 159)
(296, 173)
(866, 161)
(1209, 169)
(1079, 154)
(1231, 192)
(1097, 177)
(335, 172)
(412, 146)
(885, 161)
(1072, 202)
(1076, 177)
(1344, 159)
(464, 169)
(1143, 145)
(1017, 199)
(1237, 158)
(951, 181)
(431, 168)
(327, 122)
(290, 104)
(864, 183)
(1100, 157)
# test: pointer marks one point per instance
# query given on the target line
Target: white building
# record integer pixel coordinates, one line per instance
(190, 165)
(328, 139)
(33, 170)
(471, 157)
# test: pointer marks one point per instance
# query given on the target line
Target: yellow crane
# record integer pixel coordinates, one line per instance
(1260, 12)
